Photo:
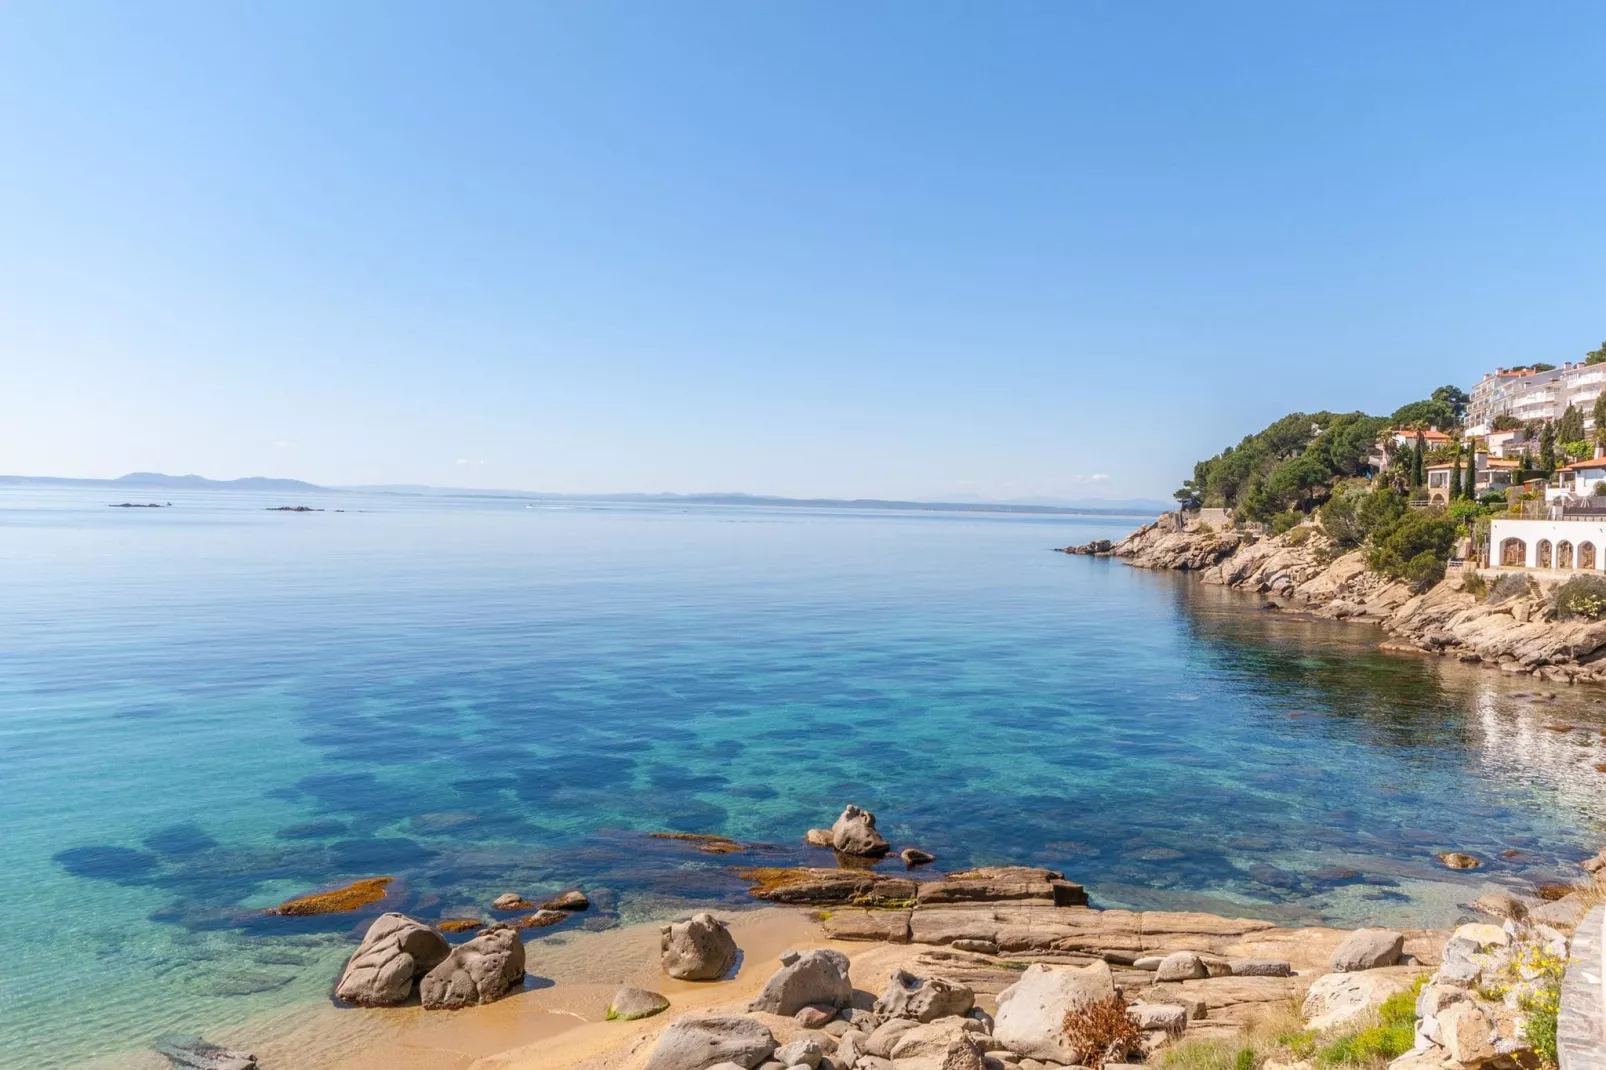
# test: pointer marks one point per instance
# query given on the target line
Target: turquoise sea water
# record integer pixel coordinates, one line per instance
(207, 709)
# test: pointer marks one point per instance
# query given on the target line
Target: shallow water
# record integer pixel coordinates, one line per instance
(208, 709)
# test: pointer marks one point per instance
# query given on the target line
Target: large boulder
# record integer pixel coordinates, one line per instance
(1181, 966)
(628, 1004)
(1336, 998)
(817, 977)
(700, 1043)
(923, 999)
(855, 834)
(699, 949)
(1031, 1012)
(479, 971)
(395, 950)
(1368, 949)
(931, 1040)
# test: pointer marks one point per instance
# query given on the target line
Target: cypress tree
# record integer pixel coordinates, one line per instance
(1455, 475)
(1419, 474)
(1547, 451)
(1599, 415)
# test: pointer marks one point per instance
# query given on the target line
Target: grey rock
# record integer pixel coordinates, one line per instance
(931, 1039)
(1181, 966)
(850, 1046)
(698, 949)
(1031, 1012)
(804, 1051)
(572, 900)
(818, 838)
(702, 1043)
(881, 1041)
(812, 977)
(923, 999)
(1261, 968)
(837, 1027)
(1565, 913)
(1169, 1018)
(963, 1054)
(510, 901)
(983, 1017)
(1148, 962)
(980, 947)
(193, 1053)
(854, 833)
(1368, 949)
(632, 1003)
(395, 950)
(479, 971)
(914, 856)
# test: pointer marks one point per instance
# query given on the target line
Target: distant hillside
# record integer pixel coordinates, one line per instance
(158, 479)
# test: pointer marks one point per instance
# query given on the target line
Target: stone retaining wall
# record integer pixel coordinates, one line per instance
(1581, 1028)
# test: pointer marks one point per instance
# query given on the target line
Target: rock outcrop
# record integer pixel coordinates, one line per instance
(808, 978)
(698, 949)
(1031, 1012)
(1520, 633)
(854, 833)
(700, 1043)
(394, 952)
(923, 999)
(479, 971)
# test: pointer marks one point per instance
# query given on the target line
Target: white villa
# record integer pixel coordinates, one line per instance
(1573, 543)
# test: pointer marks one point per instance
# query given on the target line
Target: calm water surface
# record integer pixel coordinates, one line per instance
(208, 709)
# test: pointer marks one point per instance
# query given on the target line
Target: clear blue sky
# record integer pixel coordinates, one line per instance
(902, 249)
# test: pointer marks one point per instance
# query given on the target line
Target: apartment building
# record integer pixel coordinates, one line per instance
(1529, 395)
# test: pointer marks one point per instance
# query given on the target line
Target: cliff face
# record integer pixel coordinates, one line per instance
(1303, 570)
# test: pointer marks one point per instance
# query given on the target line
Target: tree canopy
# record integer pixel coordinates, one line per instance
(1292, 464)
(1596, 356)
(1431, 412)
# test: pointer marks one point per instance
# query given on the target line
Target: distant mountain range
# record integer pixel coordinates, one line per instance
(158, 479)
(1095, 506)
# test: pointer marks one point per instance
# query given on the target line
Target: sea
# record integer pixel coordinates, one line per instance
(211, 707)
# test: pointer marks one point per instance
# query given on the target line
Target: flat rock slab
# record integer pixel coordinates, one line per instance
(857, 923)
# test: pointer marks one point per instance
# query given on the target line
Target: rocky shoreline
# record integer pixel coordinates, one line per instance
(1512, 627)
(997, 968)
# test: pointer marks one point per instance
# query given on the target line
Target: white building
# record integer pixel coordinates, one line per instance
(1529, 395)
(1572, 544)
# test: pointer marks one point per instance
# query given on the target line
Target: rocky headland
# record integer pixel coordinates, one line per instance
(1510, 625)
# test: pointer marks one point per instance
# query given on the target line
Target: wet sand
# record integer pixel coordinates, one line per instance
(556, 1023)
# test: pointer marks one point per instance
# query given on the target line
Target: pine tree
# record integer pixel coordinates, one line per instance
(1570, 428)
(1547, 450)
(1419, 462)
(1455, 475)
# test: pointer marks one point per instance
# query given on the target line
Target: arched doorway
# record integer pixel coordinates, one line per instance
(1564, 554)
(1542, 554)
(1586, 555)
(1513, 553)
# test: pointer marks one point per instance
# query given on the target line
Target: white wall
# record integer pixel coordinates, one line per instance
(1532, 532)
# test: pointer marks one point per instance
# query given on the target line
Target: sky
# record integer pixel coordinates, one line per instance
(1022, 251)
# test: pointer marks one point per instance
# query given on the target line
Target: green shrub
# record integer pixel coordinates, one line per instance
(1285, 522)
(1392, 1035)
(1413, 548)
(1510, 585)
(1492, 497)
(1474, 584)
(1582, 597)
(1245, 1059)
(1350, 517)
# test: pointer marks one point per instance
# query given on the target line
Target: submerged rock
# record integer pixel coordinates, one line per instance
(818, 838)
(1458, 860)
(511, 901)
(854, 833)
(914, 856)
(193, 1053)
(336, 901)
(395, 950)
(572, 901)
(479, 971)
(698, 949)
